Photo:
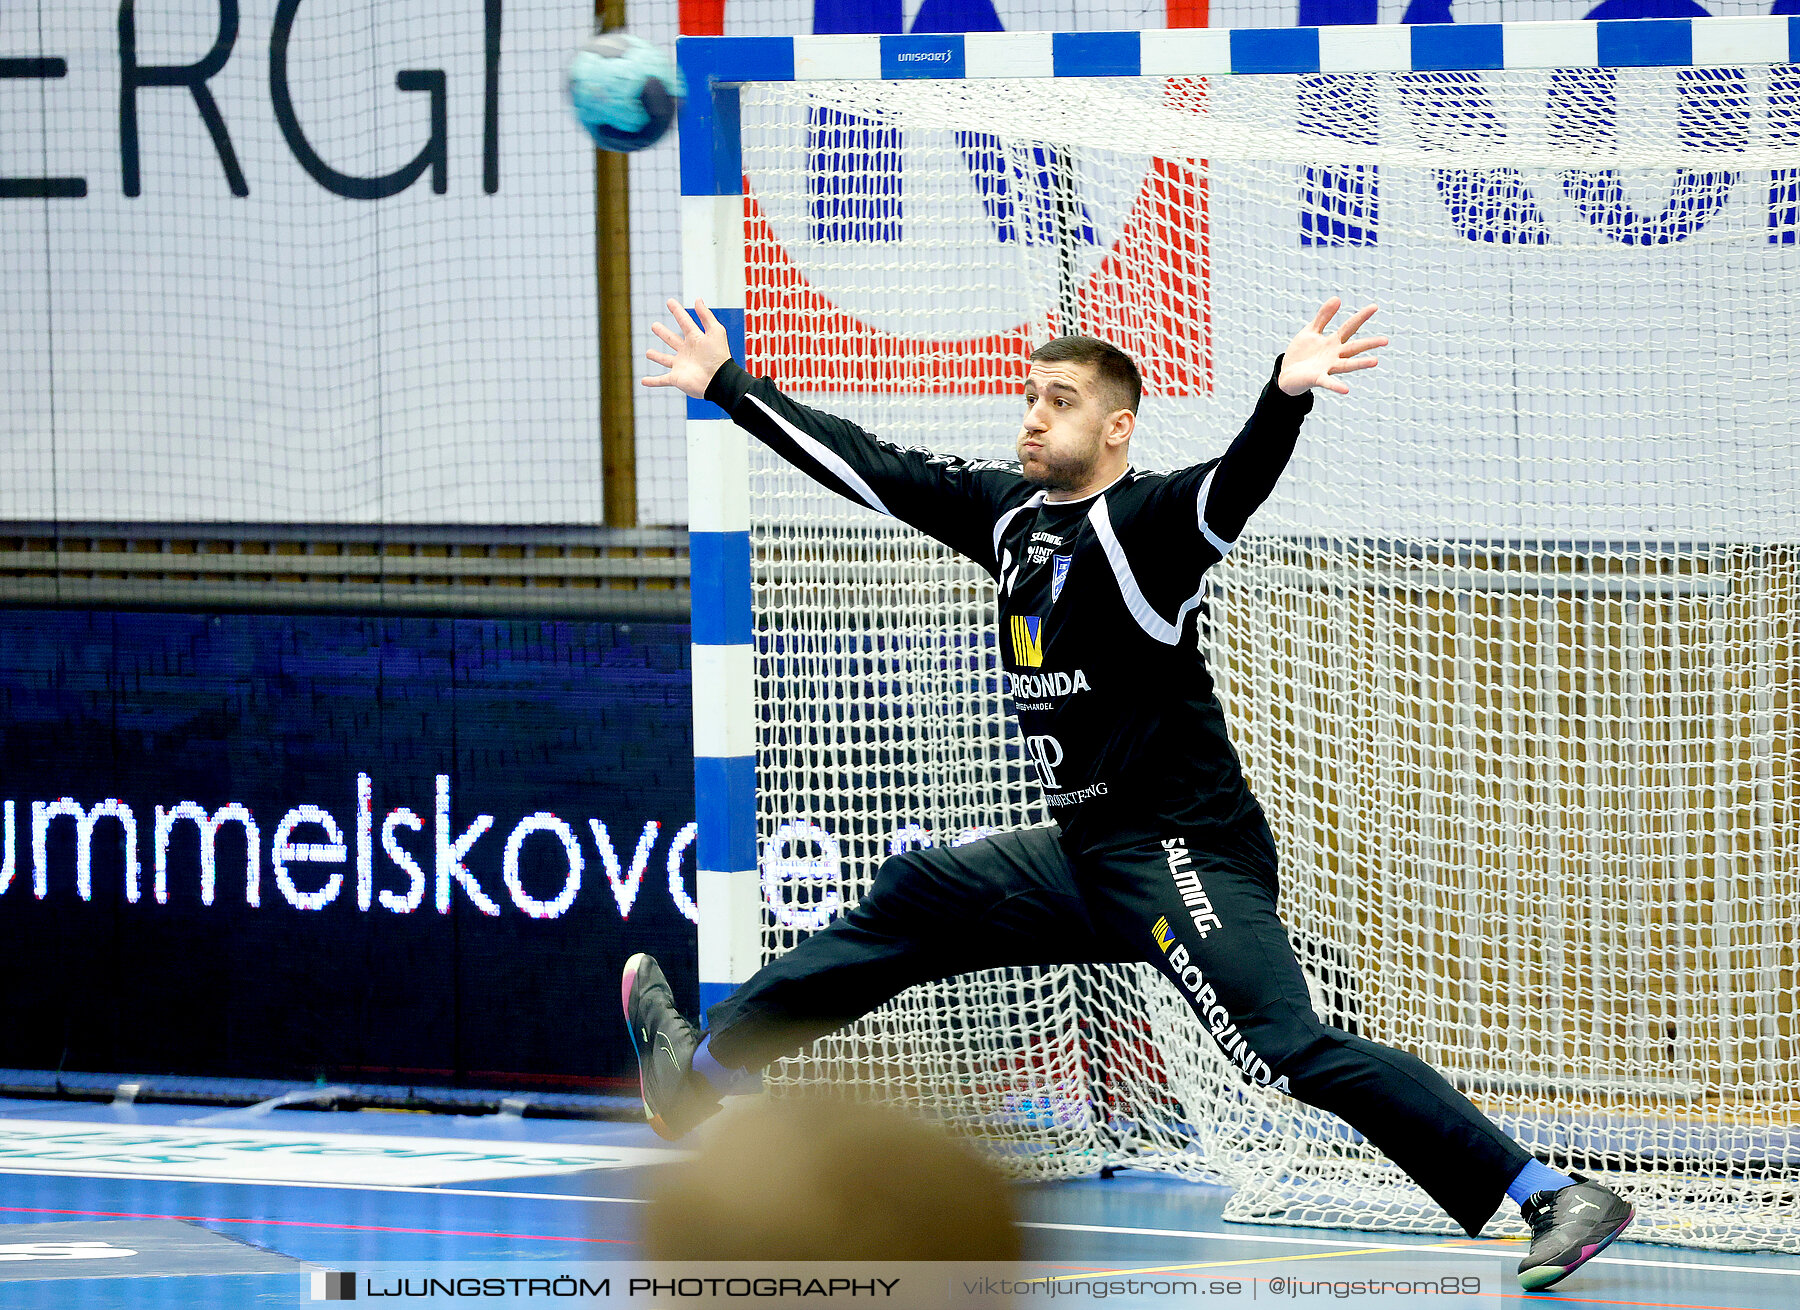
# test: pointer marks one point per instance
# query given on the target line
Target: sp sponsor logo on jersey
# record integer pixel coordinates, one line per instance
(1028, 641)
(1165, 938)
(1046, 755)
(1039, 548)
(1059, 570)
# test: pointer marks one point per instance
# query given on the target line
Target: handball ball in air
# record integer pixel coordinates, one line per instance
(625, 91)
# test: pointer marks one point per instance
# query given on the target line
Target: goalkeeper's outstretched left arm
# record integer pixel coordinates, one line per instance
(1316, 358)
(947, 497)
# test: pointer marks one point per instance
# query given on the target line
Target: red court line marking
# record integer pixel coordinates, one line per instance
(1536, 1297)
(308, 1223)
(1656, 1305)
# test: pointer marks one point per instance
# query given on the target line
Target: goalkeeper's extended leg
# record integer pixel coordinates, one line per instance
(1202, 907)
(1006, 899)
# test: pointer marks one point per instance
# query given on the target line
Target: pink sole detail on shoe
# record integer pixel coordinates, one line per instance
(626, 981)
(1630, 1214)
(1587, 1253)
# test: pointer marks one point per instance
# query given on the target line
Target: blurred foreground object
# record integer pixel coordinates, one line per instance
(815, 1179)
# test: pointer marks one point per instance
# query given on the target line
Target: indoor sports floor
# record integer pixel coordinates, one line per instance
(297, 1191)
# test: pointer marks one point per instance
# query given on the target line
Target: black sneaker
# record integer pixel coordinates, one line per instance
(1569, 1227)
(675, 1097)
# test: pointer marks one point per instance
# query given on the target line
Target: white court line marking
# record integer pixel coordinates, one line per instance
(1484, 1253)
(339, 1187)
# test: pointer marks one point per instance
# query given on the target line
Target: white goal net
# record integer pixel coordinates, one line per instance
(1511, 654)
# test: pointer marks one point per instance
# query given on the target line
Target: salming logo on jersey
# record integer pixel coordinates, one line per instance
(1028, 641)
(1038, 549)
(1187, 882)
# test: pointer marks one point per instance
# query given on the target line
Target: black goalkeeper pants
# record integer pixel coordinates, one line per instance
(1199, 906)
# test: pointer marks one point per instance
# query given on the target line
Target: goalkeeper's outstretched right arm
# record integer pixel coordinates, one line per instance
(952, 499)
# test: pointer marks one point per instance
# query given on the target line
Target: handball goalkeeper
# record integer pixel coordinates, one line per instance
(1159, 851)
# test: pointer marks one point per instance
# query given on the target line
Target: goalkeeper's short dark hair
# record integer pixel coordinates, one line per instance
(1117, 371)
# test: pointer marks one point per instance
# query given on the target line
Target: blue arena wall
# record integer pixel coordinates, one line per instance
(337, 960)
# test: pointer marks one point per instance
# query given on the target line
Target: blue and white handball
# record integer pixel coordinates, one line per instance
(625, 91)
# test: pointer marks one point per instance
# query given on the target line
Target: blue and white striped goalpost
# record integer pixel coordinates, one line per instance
(730, 892)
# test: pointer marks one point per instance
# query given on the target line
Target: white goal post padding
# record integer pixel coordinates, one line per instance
(1511, 655)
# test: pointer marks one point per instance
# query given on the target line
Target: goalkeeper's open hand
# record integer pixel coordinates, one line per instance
(1315, 357)
(699, 350)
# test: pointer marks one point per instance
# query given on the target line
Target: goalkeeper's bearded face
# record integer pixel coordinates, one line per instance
(1070, 435)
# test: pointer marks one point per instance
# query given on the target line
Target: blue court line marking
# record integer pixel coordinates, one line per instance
(1492, 1248)
(337, 1187)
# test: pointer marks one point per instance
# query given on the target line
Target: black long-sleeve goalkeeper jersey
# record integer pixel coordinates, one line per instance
(1097, 605)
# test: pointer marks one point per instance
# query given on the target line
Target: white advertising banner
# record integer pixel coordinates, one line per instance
(1248, 328)
(328, 261)
(230, 1153)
